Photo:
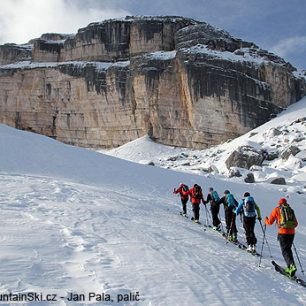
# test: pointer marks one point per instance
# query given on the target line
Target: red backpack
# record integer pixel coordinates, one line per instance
(197, 192)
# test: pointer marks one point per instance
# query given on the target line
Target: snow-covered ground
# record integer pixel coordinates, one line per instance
(77, 221)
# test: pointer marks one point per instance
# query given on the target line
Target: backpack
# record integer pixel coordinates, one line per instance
(197, 192)
(249, 207)
(231, 201)
(287, 217)
(185, 188)
(215, 196)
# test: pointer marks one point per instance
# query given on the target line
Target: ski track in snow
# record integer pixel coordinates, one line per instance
(63, 237)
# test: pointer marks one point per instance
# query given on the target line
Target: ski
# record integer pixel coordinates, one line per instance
(236, 243)
(281, 270)
(192, 219)
(244, 248)
(198, 222)
(214, 230)
(239, 244)
(181, 214)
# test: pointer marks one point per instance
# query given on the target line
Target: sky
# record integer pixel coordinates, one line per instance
(276, 25)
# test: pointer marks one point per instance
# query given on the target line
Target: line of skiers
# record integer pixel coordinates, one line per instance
(249, 211)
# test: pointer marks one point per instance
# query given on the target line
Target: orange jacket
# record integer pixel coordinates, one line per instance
(194, 200)
(275, 215)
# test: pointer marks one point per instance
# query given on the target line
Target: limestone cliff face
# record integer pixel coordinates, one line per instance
(77, 104)
(10, 53)
(182, 82)
(112, 40)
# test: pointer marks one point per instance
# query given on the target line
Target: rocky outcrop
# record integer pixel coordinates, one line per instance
(47, 50)
(249, 178)
(182, 82)
(48, 47)
(290, 150)
(111, 40)
(244, 157)
(278, 181)
(207, 35)
(10, 53)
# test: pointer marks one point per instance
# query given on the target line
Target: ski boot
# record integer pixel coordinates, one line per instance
(234, 237)
(290, 270)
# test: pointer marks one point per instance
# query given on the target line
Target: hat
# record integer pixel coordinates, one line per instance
(211, 189)
(282, 201)
(226, 192)
(246, 194)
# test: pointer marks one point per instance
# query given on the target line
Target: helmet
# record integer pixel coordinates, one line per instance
(226, 192)
(210, 189)
(282, 201)
(246, 194)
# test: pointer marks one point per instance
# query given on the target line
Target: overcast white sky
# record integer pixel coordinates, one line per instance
(276, 25)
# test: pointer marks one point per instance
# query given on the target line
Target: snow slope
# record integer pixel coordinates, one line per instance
(77, 221)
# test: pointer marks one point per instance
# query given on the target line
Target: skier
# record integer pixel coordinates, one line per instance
(184, 198)
(285, 218)
(213, 199)
(230, 204)
(249, 208)
(196, 197)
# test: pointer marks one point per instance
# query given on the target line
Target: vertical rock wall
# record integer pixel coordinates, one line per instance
(182, 82)
(10, 53)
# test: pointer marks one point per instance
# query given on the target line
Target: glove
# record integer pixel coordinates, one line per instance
(266, 219)
(259, 218)
(174, 190)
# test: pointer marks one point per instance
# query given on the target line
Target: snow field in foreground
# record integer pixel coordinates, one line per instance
(77, 221)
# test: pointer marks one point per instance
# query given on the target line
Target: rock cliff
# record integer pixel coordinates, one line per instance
(183, 82)
(10, 53)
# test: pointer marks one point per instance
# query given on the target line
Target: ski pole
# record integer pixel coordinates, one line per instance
(263, 242)
(266, 239)
(206, 214)
(209, 214)
(221, 222)
(297, 256)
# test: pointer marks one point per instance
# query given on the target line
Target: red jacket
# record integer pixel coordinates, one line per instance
(180, 191)
(275, 215)
(193, 199)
